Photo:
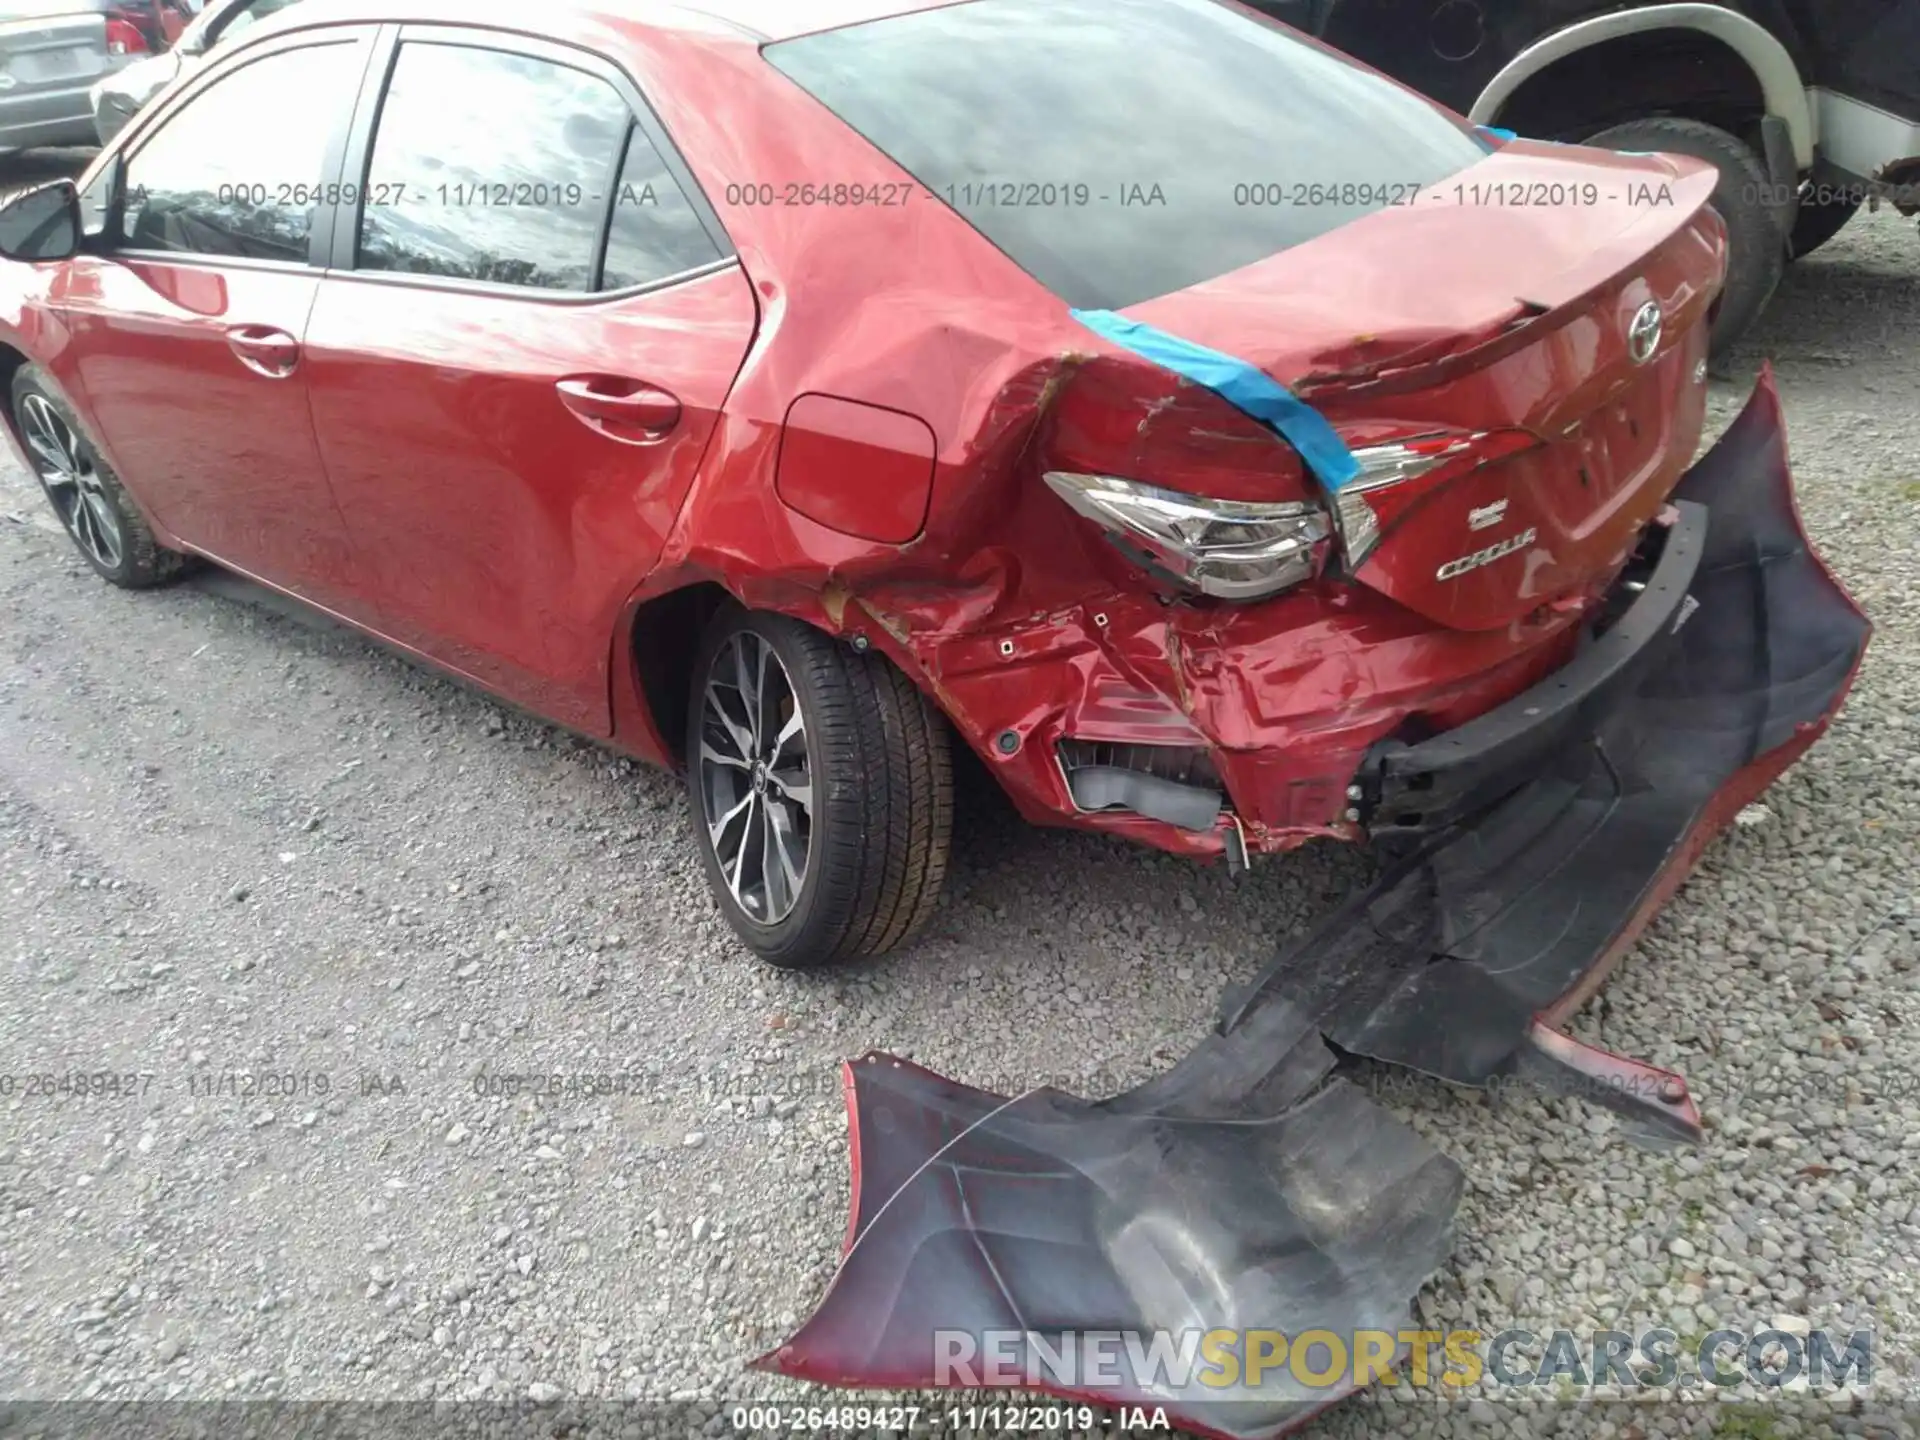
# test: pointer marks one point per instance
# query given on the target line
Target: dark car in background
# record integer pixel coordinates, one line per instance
(1809, 108)
(52, 52)
(119, 97)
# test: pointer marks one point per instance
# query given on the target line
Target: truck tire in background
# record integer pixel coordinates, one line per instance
(1818, 222)
(1757, 257)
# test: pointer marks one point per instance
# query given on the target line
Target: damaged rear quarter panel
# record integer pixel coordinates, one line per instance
(1014, 615)
(897, 306)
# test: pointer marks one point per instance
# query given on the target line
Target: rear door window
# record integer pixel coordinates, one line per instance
(492, 167)
(655, 231)
(1121, 149)
(512, 169)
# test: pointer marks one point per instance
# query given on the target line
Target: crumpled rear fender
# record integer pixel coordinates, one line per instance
(1026, 627)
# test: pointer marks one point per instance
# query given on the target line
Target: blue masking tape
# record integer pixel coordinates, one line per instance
(1241, 385)
(1497, 132)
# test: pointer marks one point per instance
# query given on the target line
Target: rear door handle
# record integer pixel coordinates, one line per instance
(627, 410)
(264, 350)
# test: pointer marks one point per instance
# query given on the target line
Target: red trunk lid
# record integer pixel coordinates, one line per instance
(1501, 300)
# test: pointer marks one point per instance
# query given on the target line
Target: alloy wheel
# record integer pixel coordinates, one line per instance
(72, 483)
(755, 778)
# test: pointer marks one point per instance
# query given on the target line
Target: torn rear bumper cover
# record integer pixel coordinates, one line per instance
(1250, 1187)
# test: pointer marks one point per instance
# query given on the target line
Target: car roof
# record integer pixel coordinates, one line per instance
(783, 19)
(755, 20)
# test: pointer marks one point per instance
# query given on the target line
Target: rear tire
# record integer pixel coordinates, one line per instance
(1756, 257)
(863, 781)
(106, 527)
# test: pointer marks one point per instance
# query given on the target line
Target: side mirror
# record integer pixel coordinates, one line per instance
(43, 224)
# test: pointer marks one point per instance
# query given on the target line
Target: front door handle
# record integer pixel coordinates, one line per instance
(631, 411)
(264, 350)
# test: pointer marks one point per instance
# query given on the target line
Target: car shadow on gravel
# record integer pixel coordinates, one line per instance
(1012, 886)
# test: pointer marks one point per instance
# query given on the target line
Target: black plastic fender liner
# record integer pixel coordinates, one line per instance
(1249, 1188)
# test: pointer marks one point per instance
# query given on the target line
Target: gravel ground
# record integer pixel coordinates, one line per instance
(236, 842)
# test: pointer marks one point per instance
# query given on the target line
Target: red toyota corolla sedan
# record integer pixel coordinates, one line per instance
(1191, 421)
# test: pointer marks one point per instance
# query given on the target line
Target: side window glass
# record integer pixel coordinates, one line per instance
(240, 170)
(491, 167)
(656, 231)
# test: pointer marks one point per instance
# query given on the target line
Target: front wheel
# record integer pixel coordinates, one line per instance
(821, 791)
(94, 507)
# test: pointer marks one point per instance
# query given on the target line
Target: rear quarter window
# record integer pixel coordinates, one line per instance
(1121, 149)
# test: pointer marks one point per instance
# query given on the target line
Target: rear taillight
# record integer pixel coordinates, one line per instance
(1229, 549)
(1202, 496)
(1397, 474)
(124, 38)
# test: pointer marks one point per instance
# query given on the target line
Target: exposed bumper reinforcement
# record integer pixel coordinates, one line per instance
(1251, 1188)
(1422, 789)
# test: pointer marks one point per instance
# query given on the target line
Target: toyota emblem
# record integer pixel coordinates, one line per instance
(1643, 334)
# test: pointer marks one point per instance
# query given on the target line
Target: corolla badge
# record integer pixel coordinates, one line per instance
(1454, 569)
(1643, 333)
